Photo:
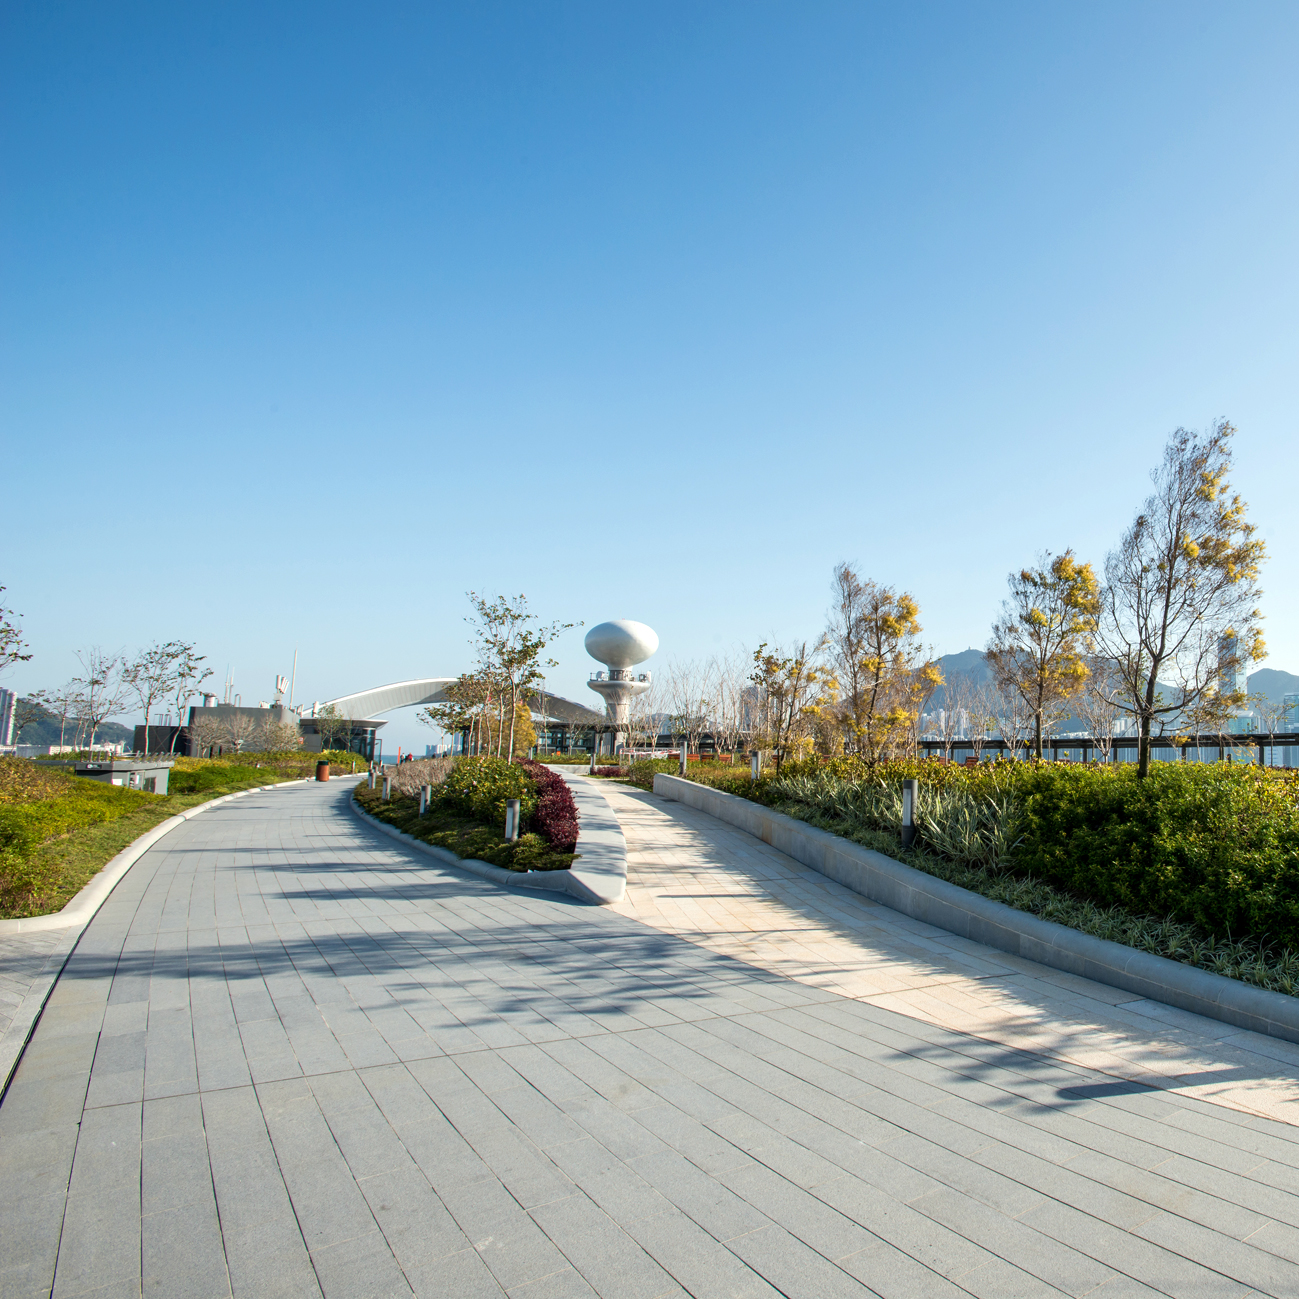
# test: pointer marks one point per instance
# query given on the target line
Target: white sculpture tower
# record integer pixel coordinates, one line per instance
(620, 645)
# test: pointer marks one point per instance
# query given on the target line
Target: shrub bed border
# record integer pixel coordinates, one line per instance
(599, 875)
(81, 907)
(969, 915)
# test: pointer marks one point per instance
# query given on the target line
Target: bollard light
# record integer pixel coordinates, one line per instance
(908, 813)
(511, 818)
(387, 788)
(755, 766)
(371, 777)
(681, 770)
(424, 792)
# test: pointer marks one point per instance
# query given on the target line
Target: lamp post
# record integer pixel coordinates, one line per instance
(908, 813)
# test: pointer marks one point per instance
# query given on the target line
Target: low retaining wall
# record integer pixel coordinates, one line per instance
(599, 875)
(957, 910)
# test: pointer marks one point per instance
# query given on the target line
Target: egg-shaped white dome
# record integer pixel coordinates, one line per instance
(621, 643)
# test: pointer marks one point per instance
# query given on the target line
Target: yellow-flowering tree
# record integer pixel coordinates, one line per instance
(788, 692)
(1183, 585)
(1040, 644)
(882, 670)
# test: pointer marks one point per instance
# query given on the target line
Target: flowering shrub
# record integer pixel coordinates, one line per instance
(555, 818)
(480, 786)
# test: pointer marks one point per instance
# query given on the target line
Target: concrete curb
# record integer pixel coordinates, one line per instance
(972, 916)
(81, 909)
(601, 880)
(74, 917)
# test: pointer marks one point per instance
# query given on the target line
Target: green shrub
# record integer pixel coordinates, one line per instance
(479, 787)
(449, 826)
(217, 775)
(1215, 845)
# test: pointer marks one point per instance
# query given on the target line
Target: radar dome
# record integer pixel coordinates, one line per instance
(621, 643)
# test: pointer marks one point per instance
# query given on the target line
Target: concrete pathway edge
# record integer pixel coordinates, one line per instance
(80, 909)
(604, 882)
(980, 919)
(75, 915)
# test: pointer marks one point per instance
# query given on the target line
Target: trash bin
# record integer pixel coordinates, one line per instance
(322, 771)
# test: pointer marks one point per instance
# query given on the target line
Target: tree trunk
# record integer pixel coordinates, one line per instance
(1037, 734)
(1143, 747)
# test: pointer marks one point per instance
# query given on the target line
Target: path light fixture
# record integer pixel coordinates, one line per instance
(511, 818)
(387, 788)
(681, 770)
(908, 813)
(755, 766)
(424, 791)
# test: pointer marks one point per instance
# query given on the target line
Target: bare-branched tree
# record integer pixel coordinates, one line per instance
(102, 687)
(1180, 604)
(13, 649)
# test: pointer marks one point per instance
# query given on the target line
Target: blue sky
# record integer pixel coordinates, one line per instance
(317, 316)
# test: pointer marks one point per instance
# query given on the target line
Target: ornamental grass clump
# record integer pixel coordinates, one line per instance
(1198, 862)
(410, 777)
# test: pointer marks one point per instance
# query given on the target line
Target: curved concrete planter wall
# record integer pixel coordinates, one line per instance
(959, 911)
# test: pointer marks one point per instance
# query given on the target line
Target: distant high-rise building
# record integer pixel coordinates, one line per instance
(1231, 666)
(7, 701)
(1290, 715)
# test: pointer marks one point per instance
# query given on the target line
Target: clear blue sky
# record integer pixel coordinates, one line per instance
(316, 316)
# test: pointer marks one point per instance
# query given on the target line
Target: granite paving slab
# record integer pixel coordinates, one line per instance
(290, 1056)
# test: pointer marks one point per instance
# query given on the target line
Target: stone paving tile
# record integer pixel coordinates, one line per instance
(699, 879)
(292, 1058)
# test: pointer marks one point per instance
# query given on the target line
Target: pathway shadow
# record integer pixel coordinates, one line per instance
(1047, 992)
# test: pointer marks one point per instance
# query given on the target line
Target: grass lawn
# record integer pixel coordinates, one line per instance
(57, 831)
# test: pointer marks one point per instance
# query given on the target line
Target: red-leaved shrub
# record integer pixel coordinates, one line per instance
(555, 819)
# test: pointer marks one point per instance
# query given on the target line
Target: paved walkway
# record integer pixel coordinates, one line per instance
(691, 875)
(289, 1057)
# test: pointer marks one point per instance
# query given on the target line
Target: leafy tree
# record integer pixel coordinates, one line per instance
(12, 644)
(790, 690)
(332, 726)
(1184, 577)
(154, 674)
(464, 706)
(1039, 644)
(511, 649)
(884, 673)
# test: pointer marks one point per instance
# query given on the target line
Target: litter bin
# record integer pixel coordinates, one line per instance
(322, 771)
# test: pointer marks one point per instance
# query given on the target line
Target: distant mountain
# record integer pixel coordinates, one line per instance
(1269, 682)
(1272, 684)
(45, 730)
(968, 663)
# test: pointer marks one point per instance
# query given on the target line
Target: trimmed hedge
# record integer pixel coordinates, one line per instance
(1215, 844)
(36, 807)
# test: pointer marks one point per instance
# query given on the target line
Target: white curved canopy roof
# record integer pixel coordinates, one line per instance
(383, 699)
